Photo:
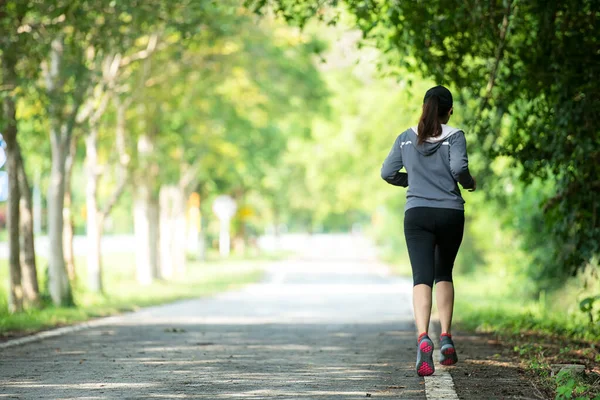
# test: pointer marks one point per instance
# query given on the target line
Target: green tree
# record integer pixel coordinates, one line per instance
(20, 53)
(524, 66)
(226, 124)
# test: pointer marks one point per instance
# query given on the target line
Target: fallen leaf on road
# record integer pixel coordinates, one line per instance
(174, 330)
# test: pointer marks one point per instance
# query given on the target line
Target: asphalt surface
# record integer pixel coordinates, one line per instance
(331, 324)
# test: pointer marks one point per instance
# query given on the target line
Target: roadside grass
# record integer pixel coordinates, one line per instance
(541, 332)
(484, 305)
(122, 293)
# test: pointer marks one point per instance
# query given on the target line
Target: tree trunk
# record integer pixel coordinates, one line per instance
(28, 265)
(93, 213)
(15, 296)
(59, 286)
(94, 266)
(61, 129)
(9, 77)
(141, 227)
(194, 226)
(180, 231)
(240, 242)
(68, 225)
(166, 232)
(122, 178)
(154, 233)
(146, 215)
(146, 234)
(172, 232)
(202, 239)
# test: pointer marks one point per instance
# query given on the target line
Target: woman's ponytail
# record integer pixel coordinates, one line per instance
(429, 124)
(436, 106)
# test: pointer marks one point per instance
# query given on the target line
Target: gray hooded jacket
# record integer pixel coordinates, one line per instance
(434, 168)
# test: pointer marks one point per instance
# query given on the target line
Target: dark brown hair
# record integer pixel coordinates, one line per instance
(429, 123)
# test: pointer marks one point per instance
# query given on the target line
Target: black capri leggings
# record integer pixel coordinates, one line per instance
(433, 236)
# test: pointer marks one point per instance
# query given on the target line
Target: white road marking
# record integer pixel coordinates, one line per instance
(439, 385)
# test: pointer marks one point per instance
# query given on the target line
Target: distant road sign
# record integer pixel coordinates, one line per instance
(224, 206)
(3, 185)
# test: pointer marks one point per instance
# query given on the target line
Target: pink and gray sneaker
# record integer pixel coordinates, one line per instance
(425, 356)
(447, 351)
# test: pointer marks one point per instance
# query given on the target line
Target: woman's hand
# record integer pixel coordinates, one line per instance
(474, 185)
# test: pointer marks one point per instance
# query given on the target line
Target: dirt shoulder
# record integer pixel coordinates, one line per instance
(489, 369)
(518, 366)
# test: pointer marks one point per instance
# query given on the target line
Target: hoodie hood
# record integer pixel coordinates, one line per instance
(432, 144)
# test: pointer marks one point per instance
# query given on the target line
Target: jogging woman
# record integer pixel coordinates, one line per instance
(435, 158)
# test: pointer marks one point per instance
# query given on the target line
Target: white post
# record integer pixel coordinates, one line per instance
(224, 207)
(224, 238)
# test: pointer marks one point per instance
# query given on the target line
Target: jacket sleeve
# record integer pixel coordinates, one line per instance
(459, 162)
(390, 170)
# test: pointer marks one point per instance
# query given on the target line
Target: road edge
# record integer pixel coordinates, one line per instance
(54, 332)
(440, 385)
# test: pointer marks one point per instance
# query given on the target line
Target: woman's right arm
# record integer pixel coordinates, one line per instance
(459, 162)
(390, 170)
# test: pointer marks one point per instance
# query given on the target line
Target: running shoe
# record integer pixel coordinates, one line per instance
(447, 351)
(425, 356)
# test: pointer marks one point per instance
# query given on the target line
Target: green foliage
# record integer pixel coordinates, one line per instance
(531, 61)
(570, 386)
(223, 104)
(488, 303)
(296, 124)
(218, 86)
(217, 93)
(587, 306)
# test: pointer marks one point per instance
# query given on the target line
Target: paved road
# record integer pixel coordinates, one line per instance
(333, 324)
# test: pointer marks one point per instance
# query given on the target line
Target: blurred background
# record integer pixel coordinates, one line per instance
(124, 121)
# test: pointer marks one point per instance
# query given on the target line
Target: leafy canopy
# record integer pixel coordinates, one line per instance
(527, 70)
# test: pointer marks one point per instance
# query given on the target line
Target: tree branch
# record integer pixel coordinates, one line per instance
(68, 126)
(573, 187)
(2, 8)
(143, 54)
(99, 111)
(111, 66)
(189, 174)
(499, 55)
(115, 196)
(124, 158)
(53, 81)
